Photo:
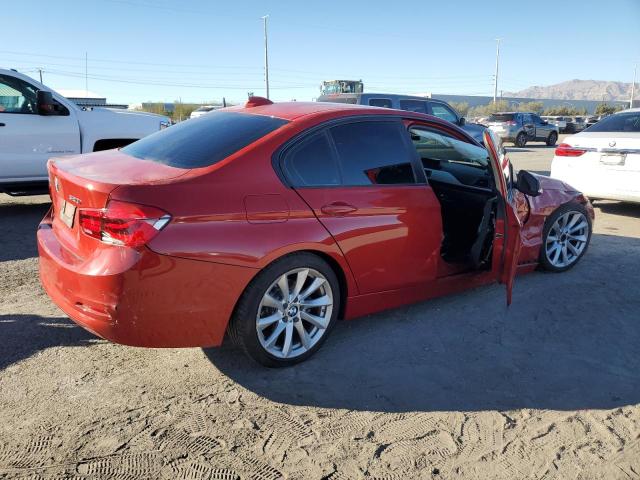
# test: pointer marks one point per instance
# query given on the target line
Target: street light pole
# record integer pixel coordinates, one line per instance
(266, 55)
(633, 85)
(86, 74)
(495, 84)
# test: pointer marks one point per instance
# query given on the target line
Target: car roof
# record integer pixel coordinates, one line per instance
(294, 110)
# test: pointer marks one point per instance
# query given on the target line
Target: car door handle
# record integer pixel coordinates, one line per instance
(337, 209)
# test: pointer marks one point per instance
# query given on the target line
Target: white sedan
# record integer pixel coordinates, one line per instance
(604, 160)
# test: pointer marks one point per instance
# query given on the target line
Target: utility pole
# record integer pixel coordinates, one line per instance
(40, 70)
(266, 55)
(495, 84)
(633, 85)
(86, 74)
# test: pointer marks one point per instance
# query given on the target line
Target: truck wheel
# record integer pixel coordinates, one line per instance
(552, 139)
(521, 140)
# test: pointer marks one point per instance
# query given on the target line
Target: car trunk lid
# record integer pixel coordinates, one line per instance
(86, 182)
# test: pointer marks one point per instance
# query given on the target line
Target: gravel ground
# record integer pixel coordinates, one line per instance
(459, 387)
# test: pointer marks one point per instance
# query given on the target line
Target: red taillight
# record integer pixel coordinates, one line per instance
(122, 223)
(566, 150)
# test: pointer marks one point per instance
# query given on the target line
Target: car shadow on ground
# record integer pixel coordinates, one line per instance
(569, 341)
(16, 219)
(624, 209)
(22, 336)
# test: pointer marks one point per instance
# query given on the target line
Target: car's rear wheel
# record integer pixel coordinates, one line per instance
(566, 236)
(521, 140)
(552, 139)
(287, 311)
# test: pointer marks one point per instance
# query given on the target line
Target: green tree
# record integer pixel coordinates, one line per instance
(564, 110)
(536, 107)
(461, 107)
(605, 109)
(488, 109)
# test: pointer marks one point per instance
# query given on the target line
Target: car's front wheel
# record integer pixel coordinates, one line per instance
(552, 139)
(287, 311)
(566, 236)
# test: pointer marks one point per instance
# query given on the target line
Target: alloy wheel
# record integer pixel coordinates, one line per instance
(567, 238)
(294, 313)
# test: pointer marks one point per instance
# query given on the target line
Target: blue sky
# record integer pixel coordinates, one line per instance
(202, 50)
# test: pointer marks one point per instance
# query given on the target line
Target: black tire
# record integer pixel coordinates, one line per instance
(552, 139)
(545, 262)
(521, 140)
(242, 328)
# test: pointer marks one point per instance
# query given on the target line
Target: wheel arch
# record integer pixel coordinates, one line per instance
(335, 265)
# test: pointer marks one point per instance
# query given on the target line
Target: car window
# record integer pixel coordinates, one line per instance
(447, 159)
(620, 122)
(373, 152)
(312, 163)
(205, 140)
(527, 118)
(537, 119)
(443, 112)
(17, 96)
(413, 106)
(502, 117)
(380, 102)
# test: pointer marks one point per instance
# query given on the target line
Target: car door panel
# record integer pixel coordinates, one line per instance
(28, 141)
(529, 127)
(360, 178)
(390, 235)
(507, 244)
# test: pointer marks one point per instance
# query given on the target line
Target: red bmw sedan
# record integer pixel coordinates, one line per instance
(271, 221)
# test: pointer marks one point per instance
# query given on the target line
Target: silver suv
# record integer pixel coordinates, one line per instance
(522, 127)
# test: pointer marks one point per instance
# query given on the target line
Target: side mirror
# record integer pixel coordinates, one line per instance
(462, 122)
(528, 183)
(45, 103)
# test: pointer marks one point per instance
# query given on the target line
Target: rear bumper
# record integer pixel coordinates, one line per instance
(143, 298)
(598, 182)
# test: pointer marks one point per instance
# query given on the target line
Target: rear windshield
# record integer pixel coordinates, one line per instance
(205, 140)
(501, 117)
(620, 122)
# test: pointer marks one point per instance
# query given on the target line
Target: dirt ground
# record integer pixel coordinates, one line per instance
(460, 387)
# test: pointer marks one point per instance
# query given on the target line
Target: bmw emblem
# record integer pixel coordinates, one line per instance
(612, 143)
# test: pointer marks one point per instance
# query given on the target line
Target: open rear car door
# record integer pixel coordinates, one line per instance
(511, 242)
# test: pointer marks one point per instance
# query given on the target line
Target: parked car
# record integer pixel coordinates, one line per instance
(523, 127)
(271, 221)
(430, 106)
(575, 124)
(558, 121)
(37, 123)
(592, 120)
(604, 160)
(202, 110)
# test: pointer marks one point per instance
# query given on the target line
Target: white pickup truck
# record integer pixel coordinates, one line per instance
(37, 123)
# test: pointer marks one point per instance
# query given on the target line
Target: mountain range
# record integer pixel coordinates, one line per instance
(579, 90)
